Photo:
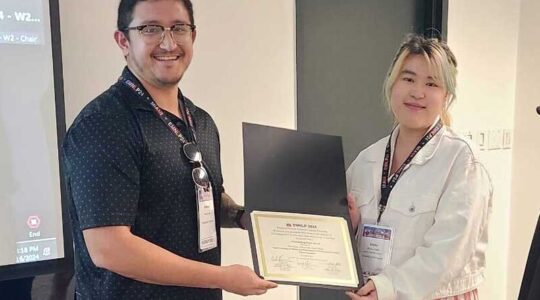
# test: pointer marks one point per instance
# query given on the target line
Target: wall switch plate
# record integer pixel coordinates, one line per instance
(469, 135)
(507, 139)
(481, 139)
(495, 139)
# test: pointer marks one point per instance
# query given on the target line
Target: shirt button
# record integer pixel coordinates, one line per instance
(412, 209)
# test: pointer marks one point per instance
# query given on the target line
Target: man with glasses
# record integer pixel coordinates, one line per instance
(143, 172)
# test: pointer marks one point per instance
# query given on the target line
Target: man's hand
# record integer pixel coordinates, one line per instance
(354, 213)
(367, 292)
(243, 281)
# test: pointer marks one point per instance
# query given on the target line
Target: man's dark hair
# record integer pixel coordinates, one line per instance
(126, 7)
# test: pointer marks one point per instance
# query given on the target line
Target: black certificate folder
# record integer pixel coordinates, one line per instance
(287, 171)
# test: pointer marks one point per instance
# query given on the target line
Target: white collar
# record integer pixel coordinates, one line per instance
(376, 154)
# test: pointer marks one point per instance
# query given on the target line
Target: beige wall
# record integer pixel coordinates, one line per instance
(243, 71)
(484, 35)
(525, 206)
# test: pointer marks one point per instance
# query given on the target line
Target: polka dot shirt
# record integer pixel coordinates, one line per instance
(124, 167)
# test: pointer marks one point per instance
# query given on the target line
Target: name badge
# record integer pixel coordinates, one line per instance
(207, 218)
(375, 248)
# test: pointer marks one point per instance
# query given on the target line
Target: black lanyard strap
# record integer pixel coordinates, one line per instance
(386, 186)
(190, 149)
(161, 114)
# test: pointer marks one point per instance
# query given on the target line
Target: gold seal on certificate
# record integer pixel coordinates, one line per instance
(304, 249)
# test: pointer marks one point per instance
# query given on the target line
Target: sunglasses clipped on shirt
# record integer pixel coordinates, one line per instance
(199, 174)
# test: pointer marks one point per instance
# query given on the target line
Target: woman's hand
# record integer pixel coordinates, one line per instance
(367, 292)
(354, 213)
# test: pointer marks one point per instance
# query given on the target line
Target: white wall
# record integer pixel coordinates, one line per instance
(91, 60)
(483, 35)
(243, 71)
(525, 206)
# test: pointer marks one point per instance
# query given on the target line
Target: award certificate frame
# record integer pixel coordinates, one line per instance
(304, 249)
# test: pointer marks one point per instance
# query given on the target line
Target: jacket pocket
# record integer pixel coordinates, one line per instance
(411, 216)
(414, 205)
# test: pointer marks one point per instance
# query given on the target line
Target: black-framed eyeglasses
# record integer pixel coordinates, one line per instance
(154, 33)
(199, 174)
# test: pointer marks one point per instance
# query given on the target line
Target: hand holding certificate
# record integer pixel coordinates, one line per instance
(295, 190)
(301, 248)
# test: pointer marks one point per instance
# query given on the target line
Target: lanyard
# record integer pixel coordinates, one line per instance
(386, 187)
(131, 83)
(161, 114)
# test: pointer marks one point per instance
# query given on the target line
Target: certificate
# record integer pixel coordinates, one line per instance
(294, 181)
(304, 249)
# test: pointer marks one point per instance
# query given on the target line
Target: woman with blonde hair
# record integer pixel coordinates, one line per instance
(421, 188)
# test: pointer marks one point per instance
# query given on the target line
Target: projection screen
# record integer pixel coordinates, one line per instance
(34, 227)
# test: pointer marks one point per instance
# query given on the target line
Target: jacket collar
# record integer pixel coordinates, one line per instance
(376, 153)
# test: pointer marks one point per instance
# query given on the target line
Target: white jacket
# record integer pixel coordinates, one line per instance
(439, 210)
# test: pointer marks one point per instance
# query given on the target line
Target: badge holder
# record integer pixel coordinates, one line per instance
(375, 248)
(205, 210)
